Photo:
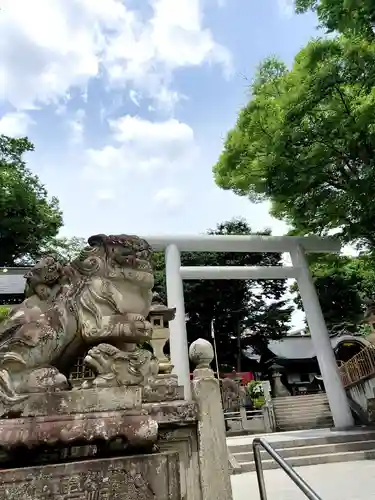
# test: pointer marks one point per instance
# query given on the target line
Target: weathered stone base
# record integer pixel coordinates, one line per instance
(96, 399)
(84, 428)
(36, 440)
(143, 477)
(163, 391)
(79, 401)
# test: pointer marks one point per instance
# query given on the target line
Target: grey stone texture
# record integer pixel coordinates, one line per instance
(146, 477)
(80, 401)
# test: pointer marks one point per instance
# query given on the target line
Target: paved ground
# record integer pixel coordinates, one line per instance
(349, 481)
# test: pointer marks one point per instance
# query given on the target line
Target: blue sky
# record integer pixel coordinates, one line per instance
(128, 103)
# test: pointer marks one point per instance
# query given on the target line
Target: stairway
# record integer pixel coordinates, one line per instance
(302, 412)
(305, 448)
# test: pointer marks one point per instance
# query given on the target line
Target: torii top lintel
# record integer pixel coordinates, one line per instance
(240, 243)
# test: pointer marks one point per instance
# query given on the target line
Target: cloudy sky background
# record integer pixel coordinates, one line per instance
(128, 103)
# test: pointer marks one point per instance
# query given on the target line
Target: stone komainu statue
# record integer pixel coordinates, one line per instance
(96, 305)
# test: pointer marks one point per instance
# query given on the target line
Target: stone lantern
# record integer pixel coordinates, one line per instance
(279, 389)
(159, 316)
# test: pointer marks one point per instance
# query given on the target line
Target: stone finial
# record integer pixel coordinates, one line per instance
(156, 299)
(201, 353)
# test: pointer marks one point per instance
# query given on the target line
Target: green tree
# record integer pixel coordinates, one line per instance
(62, 248)
(342, 283)
(306, 140)
(344, 16)
(28, 219)
(244, 312)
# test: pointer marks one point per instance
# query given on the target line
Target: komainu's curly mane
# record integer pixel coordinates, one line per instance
(102, 296)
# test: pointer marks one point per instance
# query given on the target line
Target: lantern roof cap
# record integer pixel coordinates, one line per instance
(159, 309)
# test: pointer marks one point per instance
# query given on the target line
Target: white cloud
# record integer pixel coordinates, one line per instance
(102, 165)
(105, 194)
(15, 124)
(135, 97)
(132, 129)
(142, 146)
(286, 7)
(46, 48)
(64, 44)
(169, 197)
(76, 126)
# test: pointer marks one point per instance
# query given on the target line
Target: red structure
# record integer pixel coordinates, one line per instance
(245, 377)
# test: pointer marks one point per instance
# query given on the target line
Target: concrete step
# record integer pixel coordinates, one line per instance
(302, 407)
(303, 420)
(310, 447)
(324, 423)
(302, 451)
(302, 412)
(349, 456)
(301, 415)
(295, 416)
(314, 410)
(315, 420)
(300, 400)
(320, 395)
(300, 404)
(287, 440)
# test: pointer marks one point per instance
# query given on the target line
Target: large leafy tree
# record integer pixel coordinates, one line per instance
(244, 312)
(343, 283)
(28, 218)
(64, 249)
(344, 16)
(306, 140)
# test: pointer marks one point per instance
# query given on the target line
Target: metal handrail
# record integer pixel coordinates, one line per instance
(296, 478)
(360, 366)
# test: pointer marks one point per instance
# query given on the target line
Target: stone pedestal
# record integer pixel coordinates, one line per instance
(86, 445)
(109, 444)
(130, 478)
(126, 433)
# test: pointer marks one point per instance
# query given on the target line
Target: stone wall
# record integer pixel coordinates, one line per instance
(362, 391)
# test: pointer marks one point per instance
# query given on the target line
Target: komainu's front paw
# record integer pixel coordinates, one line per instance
(44, 380)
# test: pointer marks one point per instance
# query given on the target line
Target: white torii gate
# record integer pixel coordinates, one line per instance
(296, 248)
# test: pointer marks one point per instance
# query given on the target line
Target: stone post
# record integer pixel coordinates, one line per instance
(268, 413)
(336, 395)
(213, 451)
(243, 416)
(177, 327)
(266, 386)
(268, 427)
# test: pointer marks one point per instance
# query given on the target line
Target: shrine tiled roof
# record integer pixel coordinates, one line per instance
(300, 347)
